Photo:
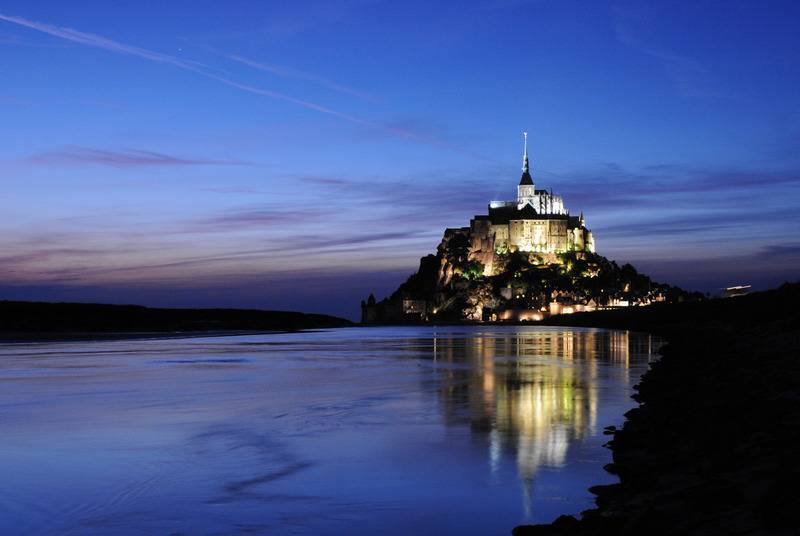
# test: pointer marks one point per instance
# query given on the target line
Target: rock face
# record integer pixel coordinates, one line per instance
(453, 285)
(712, 448)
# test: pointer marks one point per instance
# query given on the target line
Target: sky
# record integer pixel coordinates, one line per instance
(300, 155)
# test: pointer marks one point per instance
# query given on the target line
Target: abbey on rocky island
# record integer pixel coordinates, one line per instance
(522, 261)
(537, 222)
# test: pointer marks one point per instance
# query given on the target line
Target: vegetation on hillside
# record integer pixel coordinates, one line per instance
(454, 285)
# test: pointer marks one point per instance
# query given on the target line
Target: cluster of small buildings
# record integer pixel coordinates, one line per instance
(424, 310)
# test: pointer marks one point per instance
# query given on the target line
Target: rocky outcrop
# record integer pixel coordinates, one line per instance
(455, 285)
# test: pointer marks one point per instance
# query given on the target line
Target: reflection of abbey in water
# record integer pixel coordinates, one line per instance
(521, 396)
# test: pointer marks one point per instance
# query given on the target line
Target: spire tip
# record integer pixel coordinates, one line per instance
(525, 153)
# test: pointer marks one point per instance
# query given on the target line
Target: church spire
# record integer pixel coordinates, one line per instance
(526, 174)
(525, 154)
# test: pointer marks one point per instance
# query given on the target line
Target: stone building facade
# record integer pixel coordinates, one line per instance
(537, 222)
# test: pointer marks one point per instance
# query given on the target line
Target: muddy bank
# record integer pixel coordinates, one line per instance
(713, 446)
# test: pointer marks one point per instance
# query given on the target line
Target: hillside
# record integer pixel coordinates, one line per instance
(453, 286)
(27, 319)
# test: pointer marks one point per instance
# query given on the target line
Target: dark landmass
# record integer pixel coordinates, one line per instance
(40, 320)
(713, 446)
(689, 318)
(452, 286)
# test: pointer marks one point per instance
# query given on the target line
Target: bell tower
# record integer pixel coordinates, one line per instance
(525, 190)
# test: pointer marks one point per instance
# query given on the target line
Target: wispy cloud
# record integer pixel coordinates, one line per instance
(633, 24)
(412, 198)
(98, 41)
(287, 72)
(254, 217)
(283, 24)
(15, 40)
(129, 158)
(689, 223)
(791, 249)
(14, 260)
(231, 190)
(764, 267)
(613, 183)
(330, 290)
(257, 243)
(280, 254)
(328, 181)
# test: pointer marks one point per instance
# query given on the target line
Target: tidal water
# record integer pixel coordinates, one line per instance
(401, 430)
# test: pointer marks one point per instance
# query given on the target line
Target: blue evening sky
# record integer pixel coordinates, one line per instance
(300, 155)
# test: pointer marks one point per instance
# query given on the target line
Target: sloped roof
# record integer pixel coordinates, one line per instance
(500, 215)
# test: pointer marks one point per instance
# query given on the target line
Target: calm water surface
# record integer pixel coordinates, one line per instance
(403, 430)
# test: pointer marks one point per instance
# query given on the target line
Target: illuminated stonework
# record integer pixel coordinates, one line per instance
(537, 222)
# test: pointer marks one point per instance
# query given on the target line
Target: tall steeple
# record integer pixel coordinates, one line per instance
(526, 175)
(525, 153)
(525, 191)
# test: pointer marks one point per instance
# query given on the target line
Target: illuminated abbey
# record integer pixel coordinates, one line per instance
(537, 222)
(522, 261)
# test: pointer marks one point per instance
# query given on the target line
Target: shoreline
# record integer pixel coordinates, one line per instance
(43, 321)
(711, 447)
(34, 337)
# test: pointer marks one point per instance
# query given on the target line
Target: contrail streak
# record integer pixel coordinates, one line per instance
(98, 41)
(101, 42)
(300, 75)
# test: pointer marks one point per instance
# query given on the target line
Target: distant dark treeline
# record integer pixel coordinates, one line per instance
(675, 319)
(28, 317)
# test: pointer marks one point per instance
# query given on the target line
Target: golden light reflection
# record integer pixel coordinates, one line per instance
(532, 393)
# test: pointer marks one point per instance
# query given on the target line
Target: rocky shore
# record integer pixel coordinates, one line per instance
(713, 446)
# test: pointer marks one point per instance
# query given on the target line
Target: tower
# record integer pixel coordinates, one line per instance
(525, 190)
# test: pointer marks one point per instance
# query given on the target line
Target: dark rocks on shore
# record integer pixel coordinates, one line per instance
(713, 446)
